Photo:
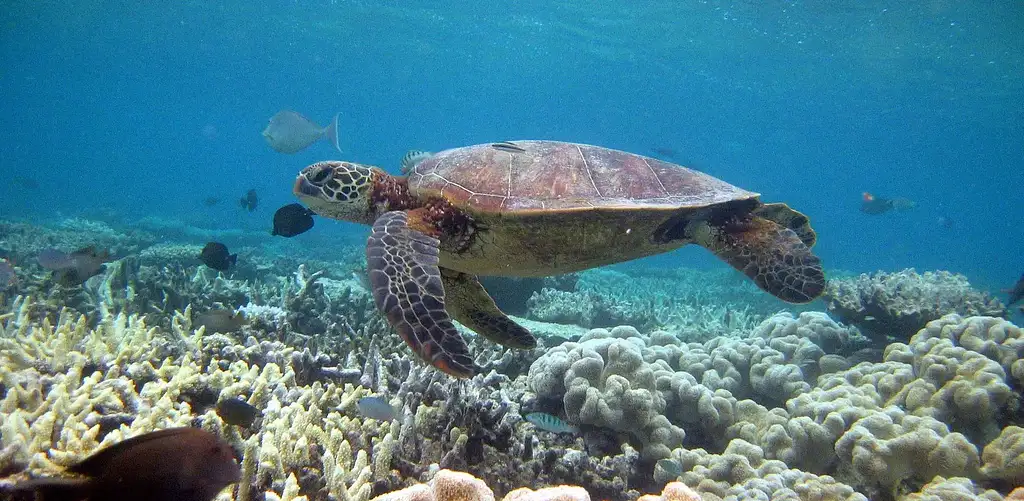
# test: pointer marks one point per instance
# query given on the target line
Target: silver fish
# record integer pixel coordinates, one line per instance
(376, 408)
(413, 158)
(290, 132)
(508, 146)
(547, 422)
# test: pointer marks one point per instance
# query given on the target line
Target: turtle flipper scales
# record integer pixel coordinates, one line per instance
(773, 256)
(407, 288)
(469, 303)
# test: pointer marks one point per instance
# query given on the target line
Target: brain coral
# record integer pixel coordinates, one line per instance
(899, 304)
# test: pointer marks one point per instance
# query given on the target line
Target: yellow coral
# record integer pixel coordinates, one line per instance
(447, 485)
(1003, 458)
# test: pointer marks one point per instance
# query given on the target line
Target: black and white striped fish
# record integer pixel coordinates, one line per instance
(412, 158)
(547, 422)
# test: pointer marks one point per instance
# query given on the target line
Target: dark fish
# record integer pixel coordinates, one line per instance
(76, 267)
(1017, 292)
(26, 183)
(211, 201)
(176, 464)
(215, 255)
(870, 204)
(508, 146)
(291, 220)
(220, 321)
(547, 422)
(290, 132)
(250, 201)
(412, 158)
(376, 408)
(668, 153)
(237, 411)
(8, 278)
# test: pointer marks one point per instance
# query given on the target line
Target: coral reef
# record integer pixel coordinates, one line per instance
(889, 306)
(696, 400)
(696, 305)
(71, 390)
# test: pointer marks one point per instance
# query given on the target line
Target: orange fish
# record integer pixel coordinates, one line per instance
(176, 464)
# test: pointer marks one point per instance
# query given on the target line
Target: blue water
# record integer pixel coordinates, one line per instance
(146, 108)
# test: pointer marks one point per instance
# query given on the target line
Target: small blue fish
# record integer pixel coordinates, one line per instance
(377, 408)
(547, 422)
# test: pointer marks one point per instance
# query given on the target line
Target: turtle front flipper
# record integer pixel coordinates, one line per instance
(407, 288)
(469, 303)
(773, 256)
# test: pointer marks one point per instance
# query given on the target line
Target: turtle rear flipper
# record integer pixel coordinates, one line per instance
(773, 256)
(407, 287)
(469, 303)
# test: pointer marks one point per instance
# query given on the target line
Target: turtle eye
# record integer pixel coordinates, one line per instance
(322, 174)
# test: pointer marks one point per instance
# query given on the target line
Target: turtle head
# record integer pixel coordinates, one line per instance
(339, 190)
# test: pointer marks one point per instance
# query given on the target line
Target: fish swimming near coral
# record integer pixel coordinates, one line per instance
(8, 278)
(76, 267)
(211, 201)
(216, 256)
(237, 411)
(291, 220)
(176, 464)
(412, 158)
(225, 321)
(377, 408)
(547, 422)
(1017, 292)
(290, 132)
(250, 200)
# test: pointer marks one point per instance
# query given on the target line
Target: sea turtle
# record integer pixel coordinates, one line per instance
(537, 208)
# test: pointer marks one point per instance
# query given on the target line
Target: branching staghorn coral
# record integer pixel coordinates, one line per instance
(72, 390)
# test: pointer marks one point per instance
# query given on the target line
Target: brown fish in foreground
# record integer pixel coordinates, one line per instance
(290, 132)
(76, 267)
(220, 321)
(176, 464)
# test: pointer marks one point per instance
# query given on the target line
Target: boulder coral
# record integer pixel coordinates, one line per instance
(898, 304)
